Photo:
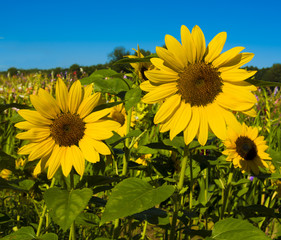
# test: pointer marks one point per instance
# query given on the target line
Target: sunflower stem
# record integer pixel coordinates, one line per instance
(126, 157)
(144, 230)
(72, 228)
(43, 212)
(177, 196)
(226, 195)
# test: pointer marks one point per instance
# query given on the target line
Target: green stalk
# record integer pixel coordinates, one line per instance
(144, 230)
(126, 157)
(177, 196)
(43, 212)
(226, 197)
(72, 228)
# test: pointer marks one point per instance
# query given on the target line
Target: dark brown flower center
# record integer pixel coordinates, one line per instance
(246, 148)
(142, 70)
(67, 129)
(118, 117)
(199, 84)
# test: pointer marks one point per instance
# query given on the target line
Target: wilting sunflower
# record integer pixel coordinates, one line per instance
(64, 132)
(198, 86)
(246, 149)
(140, 67)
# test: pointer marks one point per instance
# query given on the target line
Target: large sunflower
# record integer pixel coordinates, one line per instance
(198, 86)
(246, 149)
(64, 132)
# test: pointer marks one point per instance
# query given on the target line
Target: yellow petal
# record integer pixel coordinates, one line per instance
(192, 128)
(159, 63)
(147, 86)
(42, 149)
(55, 160)
(236, 62)
(78, 160)
(89, 152)
(41, 165)
(34, 134)
(188, 44)
(75, 97)
(167, 108)
(199, 42)
(216, 120)
(203, 127)
(26, 149)
(226, 56)
(159, 76)
(88, 104)
(97, 115)
(169, 59)
(181, 119)
(176, 48)
(62, 95)
(67, 161)
(88, 90)
(160, 93)
(25, 125)
(237, 75)
(215, 47)
(34, 117)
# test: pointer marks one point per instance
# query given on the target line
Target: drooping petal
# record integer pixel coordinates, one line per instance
(192, 128)
(78, 160)
(89, 152)
(42, 149)
(54, 161)
(203, 127)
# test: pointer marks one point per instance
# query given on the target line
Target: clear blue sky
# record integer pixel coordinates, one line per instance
(47, 34)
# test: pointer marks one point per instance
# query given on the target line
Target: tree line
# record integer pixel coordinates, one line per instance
(272, 73)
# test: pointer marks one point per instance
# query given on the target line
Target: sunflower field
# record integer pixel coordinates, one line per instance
(186, 146)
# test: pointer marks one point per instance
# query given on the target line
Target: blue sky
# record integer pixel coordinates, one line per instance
(48, 34)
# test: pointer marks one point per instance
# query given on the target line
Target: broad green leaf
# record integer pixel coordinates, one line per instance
(49, 236)
(65, 206)
(132, 97)
(261, 83)
(134, 133)
(234, 229)
(110, 85)
(26, 184)
(99, 74)
(24, 233)
(132, 196)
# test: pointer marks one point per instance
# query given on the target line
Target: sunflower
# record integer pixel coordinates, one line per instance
(246, 149)
(198, 86)
(63, 131)
(140, 67)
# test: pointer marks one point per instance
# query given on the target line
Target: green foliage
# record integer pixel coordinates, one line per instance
(233, 229)
(67, 205)
(132, 196)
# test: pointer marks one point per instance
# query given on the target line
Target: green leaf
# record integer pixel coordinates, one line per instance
(26, 184)
(101, 238)
(12, 105)
(134, 60)
(110, 85)
(99, 74)
(132, 97)
(65, 206)
(276, 158)
(49, 236)
(132, 196)
(261, 83)
(234, 229)
(24, 233)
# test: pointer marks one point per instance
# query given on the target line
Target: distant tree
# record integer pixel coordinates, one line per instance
(118, 54)
(13, 71)
(273, 74)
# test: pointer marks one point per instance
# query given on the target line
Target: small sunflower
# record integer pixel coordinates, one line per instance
(118, 114)
(198, 86)
(140, 67)
(246, 149)
(63, 131)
